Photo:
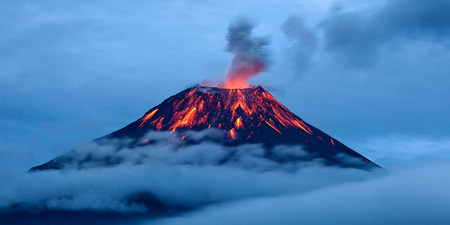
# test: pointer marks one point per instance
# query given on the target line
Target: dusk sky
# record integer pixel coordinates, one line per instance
(372, 74)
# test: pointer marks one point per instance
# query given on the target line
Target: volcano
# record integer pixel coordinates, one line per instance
(237, 117)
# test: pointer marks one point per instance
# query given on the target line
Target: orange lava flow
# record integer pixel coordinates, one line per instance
(332, 142)
(273, 127)
(159, 124)
(238, 123)
(303, 126)
(232, 134)
(184, 120)
(238, 111)
(147, 117)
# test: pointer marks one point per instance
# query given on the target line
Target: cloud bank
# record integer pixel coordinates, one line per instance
(185, 178)
(416, 195)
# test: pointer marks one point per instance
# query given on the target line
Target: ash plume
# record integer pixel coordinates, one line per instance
(250, 56)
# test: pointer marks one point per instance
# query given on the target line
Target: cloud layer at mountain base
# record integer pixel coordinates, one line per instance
(416, 195)
(189, 178)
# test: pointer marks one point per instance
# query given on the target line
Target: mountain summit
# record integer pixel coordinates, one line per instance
(237, 116)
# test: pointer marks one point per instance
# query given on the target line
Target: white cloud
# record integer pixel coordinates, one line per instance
(189, 178)
(418, 195)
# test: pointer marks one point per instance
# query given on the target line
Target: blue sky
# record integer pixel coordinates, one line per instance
(372, 74)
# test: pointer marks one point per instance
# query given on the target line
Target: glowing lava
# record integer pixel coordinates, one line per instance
(238, 123)
(147, 117)
(233, 117)
(238, 111)
(232, 134)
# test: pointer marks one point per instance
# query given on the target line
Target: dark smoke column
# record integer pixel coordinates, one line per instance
(250, 57)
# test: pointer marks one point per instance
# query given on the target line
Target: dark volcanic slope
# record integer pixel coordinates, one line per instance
(249, 115)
